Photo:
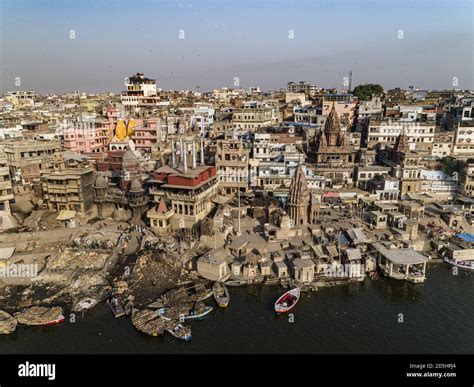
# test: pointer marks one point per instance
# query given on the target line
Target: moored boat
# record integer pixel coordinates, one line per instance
(115, 307)
(287, 301)
(221, 294)
(197, 310)
(179, 331)
(147, 321)
(40, 315)
(469, 265)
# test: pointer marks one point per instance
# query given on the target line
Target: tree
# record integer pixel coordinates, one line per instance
(365, 92)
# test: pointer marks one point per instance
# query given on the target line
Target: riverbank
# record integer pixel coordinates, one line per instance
(438, 317)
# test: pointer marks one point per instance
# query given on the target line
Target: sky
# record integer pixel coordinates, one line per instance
(91, 46)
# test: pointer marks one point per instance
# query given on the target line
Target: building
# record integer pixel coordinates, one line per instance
(405, 165)
(303, 208)
(303, 87)
(332, 144)
(26, 158)
(253, 118)
(232, 164)
(187, 191)
(467, 179)
(140, 91)
(344, 105)
(6, 189)
(383, 132)
(69, 186)
(118, 187)
(463, 144)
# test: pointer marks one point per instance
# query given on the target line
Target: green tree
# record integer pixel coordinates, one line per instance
(365, 92)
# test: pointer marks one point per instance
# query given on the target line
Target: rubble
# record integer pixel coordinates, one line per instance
(7, 323)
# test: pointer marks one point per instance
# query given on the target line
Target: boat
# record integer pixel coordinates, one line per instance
(85, 304)
(235, 283)
(8, 323)
(179, 331)
(462, 264)
(147, 321)
(221, 294)
(197, 310)
(40, 315)
(287, 301)
(115, 307)
(177, 297)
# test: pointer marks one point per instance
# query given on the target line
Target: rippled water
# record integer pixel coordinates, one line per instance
(357, 318)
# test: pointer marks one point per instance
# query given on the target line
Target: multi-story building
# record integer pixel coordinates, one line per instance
(443, 144)
(187, 193)
(463, 144)
(26, 158)
(384, 132)
(467, 179)
(69, 186)
(303, 87)
(140, 91)
(6, 190)
(83, 137)
(253, 118)
(232, 164)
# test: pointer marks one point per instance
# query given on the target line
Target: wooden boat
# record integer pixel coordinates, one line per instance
(115, 307)
(8, 323)
(235, 283)
(469, 265)
(177, 297)
(287, 301)
(147, 321)
(221, 294)
(40, 315)
(179, 331)
(197, 310)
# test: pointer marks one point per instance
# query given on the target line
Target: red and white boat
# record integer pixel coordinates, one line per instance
(60, 319)
(287, 301)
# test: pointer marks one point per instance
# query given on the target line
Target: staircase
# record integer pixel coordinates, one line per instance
(6, 221)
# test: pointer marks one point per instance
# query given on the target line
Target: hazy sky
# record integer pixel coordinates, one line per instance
(224, 39)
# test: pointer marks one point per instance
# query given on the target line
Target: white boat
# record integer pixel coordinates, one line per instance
(180, 331)
(186, 313)
(287, 301)
(221, 294)
(462, 264)
(85, 304)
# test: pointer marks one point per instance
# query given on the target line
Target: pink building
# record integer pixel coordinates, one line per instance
(91, 136)
(146, 134)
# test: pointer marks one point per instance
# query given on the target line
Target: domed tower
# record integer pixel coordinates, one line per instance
(100, 190)
(298, 198)
(137, 199)
(130, 170)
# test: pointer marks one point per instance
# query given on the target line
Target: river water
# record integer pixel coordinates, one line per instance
(438, 317)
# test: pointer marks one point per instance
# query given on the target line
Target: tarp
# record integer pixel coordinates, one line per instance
(66, 215)
(466, 237)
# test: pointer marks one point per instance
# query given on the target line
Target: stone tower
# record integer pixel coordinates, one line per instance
(298, 198)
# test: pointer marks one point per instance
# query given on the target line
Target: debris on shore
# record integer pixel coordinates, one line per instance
(8, 323)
